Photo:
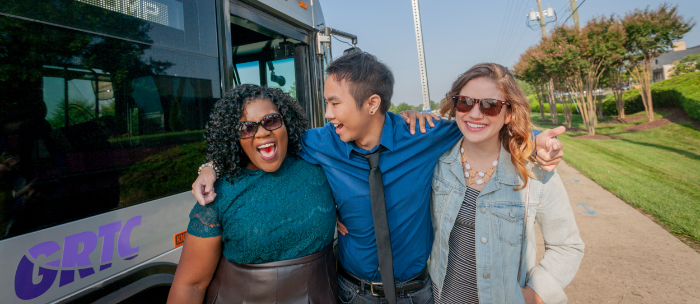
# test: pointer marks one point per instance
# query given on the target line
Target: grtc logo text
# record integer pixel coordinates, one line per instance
(73, 258)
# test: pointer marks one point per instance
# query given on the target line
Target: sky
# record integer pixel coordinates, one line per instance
(458, 34)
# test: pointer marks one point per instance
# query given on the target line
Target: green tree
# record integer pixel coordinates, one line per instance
(293, 90)
(78, 111)
(651, 33)
(529, 70)
(527, 87)
(580, 59)
(688, 64)
(400, 108)
(616, 73)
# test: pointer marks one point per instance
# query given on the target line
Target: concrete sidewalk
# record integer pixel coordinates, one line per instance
(628, 257)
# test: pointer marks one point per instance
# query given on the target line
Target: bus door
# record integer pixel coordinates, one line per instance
(271, 52)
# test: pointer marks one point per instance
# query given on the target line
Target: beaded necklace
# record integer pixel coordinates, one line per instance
(483, 177)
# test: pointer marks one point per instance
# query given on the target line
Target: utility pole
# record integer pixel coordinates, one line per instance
(539, 6)
(574, 13)
(421, 56)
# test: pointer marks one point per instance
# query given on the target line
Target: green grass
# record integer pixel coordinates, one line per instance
(657, 170)
(679, 91)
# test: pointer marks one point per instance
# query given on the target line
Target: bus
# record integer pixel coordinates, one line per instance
(103, 104)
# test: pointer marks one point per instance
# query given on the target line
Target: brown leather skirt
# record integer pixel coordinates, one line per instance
(311, 279)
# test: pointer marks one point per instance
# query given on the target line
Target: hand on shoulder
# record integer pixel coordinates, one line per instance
(410, 117)
(203, 186)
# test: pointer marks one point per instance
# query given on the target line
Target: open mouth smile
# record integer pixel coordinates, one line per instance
(267, 150)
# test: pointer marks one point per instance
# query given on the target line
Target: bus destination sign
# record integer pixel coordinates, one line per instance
(150, 10)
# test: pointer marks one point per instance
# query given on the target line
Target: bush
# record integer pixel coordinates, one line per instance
(396, 109)
(535, 105)
(680, 91)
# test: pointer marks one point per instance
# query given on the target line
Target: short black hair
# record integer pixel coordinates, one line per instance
(366, 76)
(222, 134)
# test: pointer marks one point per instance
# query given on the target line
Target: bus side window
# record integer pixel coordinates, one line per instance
(95, 123)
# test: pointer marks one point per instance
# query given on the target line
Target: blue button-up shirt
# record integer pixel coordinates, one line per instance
(407, 163)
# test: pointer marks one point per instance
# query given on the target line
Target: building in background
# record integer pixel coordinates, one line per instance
(662, 66)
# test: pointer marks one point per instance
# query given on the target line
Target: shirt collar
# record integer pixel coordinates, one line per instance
(386, 139)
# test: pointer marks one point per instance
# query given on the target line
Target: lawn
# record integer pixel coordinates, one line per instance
(657, 170)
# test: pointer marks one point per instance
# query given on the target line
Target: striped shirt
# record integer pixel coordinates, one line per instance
(460, 280)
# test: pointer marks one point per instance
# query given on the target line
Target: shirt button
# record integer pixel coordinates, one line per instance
(483, 210)
(484, 240)
(487, 275)
(512, 214)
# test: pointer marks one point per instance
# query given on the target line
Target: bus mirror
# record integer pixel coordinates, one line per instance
(278, 79)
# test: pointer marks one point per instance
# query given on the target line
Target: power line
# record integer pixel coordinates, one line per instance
(511, 37)
(513, 25)
(516, 46)
(576, 10)
(509, 32)
(563, 9)
(500, 32)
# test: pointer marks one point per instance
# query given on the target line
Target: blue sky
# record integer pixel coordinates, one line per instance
(460, 33)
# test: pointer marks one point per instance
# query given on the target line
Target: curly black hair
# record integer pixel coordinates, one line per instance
(222, 137)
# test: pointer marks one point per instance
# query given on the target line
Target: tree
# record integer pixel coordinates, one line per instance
(688, 64)
(615, 74)
(293, 90)
(396, 109)
(651, 33)
(400, 108)
(526, 87)
(582, 57)
(548, 70)
(527, 69)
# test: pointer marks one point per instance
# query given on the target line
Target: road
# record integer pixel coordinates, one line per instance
(628, 257)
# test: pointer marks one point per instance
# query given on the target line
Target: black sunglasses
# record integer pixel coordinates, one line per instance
(270, 122)
(488, 106)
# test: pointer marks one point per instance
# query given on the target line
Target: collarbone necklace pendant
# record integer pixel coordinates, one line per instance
(477, 177)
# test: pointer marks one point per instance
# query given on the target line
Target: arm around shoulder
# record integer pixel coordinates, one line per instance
(563, 245)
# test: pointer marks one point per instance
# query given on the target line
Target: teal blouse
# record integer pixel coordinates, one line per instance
(265, 217)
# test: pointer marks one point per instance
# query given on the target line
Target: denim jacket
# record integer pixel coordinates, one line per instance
(499, 230)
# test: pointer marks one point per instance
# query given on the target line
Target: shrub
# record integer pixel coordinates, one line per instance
(535, 105)
(680, 91)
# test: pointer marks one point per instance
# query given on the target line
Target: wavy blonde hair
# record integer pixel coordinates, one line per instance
(516, 136)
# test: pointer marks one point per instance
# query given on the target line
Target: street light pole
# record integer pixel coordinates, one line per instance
(421, 57)
(539, 6)
(574, 12)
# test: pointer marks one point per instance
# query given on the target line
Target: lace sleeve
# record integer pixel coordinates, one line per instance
(204, 221)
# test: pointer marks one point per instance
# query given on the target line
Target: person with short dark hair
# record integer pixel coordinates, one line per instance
(380, 176)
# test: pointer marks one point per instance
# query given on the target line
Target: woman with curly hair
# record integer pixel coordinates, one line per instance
(267, 237)
(487, 194)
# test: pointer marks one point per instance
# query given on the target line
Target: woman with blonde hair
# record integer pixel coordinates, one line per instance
(486, 195)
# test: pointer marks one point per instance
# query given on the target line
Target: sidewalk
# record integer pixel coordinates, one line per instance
(628, 257)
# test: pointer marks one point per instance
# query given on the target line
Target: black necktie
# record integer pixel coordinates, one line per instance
(381, 226)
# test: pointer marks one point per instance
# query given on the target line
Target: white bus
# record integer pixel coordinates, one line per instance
(102, 108)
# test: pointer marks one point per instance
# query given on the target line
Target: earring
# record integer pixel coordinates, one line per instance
(371, 112)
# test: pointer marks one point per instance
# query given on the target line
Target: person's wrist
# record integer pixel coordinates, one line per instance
(209, 168)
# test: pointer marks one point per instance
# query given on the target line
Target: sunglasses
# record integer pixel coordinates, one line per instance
(270, 122)
(488, 106)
